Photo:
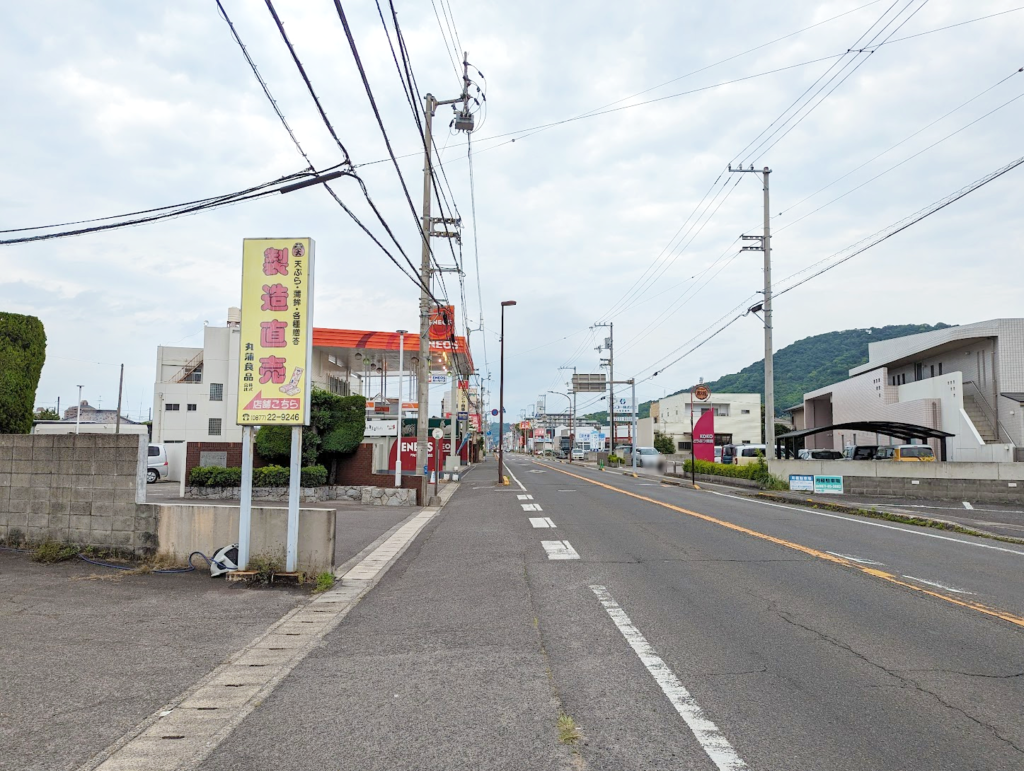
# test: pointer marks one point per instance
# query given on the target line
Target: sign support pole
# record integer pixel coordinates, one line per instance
(294, 480)
(693, 446)
(452, 462)
(245, 504)
(632, 386)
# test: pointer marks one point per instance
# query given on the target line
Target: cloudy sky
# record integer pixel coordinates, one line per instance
(121, 106)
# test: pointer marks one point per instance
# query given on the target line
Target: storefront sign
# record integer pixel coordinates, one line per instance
(276, 340)
(442, 322)
(381, 428)
(704, 437)
(828, 485)
(438, 379)
(802, 482)
(409, 452)
(623, 406)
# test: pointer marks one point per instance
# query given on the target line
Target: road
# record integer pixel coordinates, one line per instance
(677, 629)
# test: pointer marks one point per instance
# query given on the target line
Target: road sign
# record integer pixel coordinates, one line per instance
(701, 393)
(463, 416)
(494, 412)
(596, 383)
(437, 433)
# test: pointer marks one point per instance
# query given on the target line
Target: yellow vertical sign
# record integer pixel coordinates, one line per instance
(276, 332)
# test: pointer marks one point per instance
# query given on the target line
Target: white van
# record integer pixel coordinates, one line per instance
(158, 466)
(747, 453)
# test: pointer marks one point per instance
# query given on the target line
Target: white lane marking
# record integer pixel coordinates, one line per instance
(850, 557)
(704, 729)
(183, 733)
(853, 520)
(541, 522)
(514, 478)
(560, 550)
(967, 505)
(525, 497)
(566, 491)
(940, 586)
(531, 507)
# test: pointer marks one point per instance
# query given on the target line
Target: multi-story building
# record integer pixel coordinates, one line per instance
(966, 380)
(737, 418)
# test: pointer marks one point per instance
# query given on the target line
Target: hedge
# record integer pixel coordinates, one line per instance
(22, 353)
(265, 476)
(723, 470)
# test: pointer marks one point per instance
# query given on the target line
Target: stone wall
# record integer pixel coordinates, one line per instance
(366, 494)
(79, 488)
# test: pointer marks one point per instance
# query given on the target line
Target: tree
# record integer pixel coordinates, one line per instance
(22, 353)
(663, 443)
(336, 427)
(45, 413)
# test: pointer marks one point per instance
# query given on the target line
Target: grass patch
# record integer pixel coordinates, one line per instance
(568, 731)
(324, 581)
(54, 551)
(265, 567)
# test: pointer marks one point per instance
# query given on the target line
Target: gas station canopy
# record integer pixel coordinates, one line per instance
(352, 347)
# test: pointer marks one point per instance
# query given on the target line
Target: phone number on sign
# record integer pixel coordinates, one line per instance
(272, 417)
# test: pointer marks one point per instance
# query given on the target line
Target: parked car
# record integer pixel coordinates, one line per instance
(718, 454)
(860, 451)
(819, 455)
(158, 466)
(906, 452)
(646, 457)
(747, 453)
(578, 454)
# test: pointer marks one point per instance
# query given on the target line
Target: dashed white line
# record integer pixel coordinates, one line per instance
(967, 505)
(850, 557)
(938, 585)
(531, 507)
(566, 491)
(560, 550)
(525, 497)
(711, 739)
(541, 522)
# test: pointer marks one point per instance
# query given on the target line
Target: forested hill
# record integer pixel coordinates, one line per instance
(805, 365)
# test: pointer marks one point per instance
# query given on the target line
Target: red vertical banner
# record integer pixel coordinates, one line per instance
(704, 437)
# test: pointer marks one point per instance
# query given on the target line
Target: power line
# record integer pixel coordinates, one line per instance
(305, 78)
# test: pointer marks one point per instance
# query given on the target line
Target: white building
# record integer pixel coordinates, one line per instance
(737, 418)
(966, 380)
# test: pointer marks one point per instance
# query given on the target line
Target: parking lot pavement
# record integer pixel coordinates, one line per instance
(88, 652)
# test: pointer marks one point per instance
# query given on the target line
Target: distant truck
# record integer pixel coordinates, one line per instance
(564, 446)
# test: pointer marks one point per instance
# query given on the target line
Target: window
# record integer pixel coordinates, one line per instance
(172, 407)
(940, 369)
(214, 427)
(191, 408)
(933, 370)
(684, 445)
(153, 451)
(216, 393)
(744, 412)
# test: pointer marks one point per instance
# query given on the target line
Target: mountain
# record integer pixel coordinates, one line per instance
(803, 366)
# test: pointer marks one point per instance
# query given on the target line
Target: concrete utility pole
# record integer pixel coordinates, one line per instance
(120, 390)
(611, 377)
(401, 377)
(426, 273)
(766, 306)
(78, 410)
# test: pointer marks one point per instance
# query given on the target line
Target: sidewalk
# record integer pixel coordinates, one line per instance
(89, 651)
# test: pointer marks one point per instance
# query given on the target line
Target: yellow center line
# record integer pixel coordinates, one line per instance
(1001, 614)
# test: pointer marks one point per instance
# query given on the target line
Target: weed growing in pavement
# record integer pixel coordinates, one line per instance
(264, 567)
(15, 538)
(54, 551)
(324, 581)
(568, 732)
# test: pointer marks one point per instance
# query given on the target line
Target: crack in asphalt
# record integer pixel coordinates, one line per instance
(908, 681)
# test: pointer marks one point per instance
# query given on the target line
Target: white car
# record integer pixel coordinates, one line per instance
(578, 454)
(158, 466)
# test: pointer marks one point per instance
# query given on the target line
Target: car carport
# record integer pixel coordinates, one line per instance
(905, 431)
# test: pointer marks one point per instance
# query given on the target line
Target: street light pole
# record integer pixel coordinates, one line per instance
(398, 433)
(501, 397)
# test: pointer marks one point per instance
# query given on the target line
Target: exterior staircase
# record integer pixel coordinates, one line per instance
(979, 419)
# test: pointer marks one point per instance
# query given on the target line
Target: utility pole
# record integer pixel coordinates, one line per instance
(78, 410)
(610, 346)
(120, 390)
(766, 306)
(426, 273)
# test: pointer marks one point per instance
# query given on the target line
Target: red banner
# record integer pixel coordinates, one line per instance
(409, 453)
(704, 437)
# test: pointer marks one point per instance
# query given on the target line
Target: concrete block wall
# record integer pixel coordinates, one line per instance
(78, 488)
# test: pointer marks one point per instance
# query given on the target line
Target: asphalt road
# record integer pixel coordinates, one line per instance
(678, 629)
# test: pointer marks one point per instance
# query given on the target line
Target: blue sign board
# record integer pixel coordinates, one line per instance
(463, 416)
(802, 482)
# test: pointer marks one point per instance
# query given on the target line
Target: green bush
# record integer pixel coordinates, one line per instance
(663, 443)
(336, 427)
(757, 472)
(22, 353)
(266, 476)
